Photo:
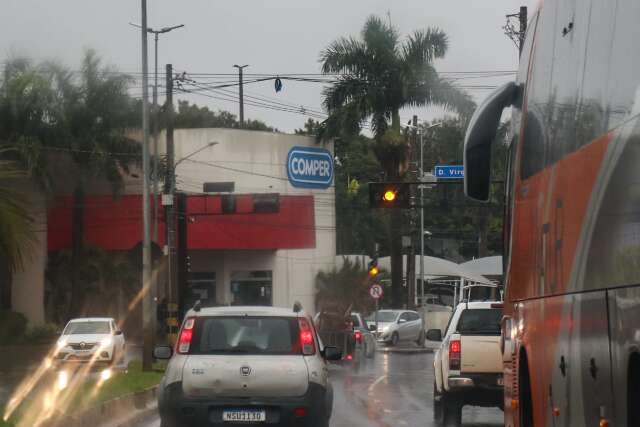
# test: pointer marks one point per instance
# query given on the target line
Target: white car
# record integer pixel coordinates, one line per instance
(395, 326)
(468, 365)
(246, 365)
(93, 339)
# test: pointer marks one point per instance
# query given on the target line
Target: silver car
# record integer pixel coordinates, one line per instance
(395, 326)
(239, 365)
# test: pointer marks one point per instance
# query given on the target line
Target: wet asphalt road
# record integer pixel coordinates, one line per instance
(390, 390)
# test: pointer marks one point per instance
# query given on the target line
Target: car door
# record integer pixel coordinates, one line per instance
(404, 326)
(416, 325)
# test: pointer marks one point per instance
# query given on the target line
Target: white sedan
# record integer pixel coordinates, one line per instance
(96, 340)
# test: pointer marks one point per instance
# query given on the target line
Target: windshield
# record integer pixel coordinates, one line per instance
(245, 335)
(89, 327)
(384, 316)
(480, 322)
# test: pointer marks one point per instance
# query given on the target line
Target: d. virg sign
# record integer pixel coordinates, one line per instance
(309, 167)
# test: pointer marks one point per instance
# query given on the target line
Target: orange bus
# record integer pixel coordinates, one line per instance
(571, 331)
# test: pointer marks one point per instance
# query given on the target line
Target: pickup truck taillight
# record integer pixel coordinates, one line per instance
(455, 351)
(358, 336)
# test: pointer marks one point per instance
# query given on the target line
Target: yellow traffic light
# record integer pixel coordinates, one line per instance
(389, 196)
(373, 271)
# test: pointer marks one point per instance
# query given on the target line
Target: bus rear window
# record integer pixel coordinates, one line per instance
(480, 321)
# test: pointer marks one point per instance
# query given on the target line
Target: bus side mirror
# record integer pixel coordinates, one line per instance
(481, 132)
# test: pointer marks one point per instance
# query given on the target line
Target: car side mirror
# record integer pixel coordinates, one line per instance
(480, 135)
(332, 353)
(118, 332)
(434, 335)
(402, 320)
(162, 352)
(373, 328)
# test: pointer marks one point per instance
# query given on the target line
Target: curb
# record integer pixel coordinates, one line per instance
(124, 411)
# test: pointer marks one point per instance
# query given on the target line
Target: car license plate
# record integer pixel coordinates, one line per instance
(244, 415)
(500, 381)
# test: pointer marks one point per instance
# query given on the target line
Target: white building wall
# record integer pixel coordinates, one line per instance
(256, 162)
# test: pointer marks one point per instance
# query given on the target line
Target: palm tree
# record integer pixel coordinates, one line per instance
(378, 76)
(344, 290)
(94, 117)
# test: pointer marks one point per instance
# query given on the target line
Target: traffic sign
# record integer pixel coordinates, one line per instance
(449, 172)
(376, 291)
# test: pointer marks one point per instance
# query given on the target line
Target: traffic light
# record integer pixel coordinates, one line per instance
(389, 195)
(373, 267)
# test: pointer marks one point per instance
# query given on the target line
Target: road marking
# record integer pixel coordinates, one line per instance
(375, 383)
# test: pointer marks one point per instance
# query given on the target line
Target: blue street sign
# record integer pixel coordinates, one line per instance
(449, 172)
(309, 167)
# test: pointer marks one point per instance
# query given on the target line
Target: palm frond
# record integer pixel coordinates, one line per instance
(423, 46)
(16, 227)
(345, 55)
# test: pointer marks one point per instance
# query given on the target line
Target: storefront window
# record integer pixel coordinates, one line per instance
(252, 287)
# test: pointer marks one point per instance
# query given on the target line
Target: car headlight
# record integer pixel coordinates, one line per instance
(61, 344)
(106, 342)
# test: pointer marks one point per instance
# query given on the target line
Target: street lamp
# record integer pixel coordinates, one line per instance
(156, 33)
(187, 157)
(424, 178)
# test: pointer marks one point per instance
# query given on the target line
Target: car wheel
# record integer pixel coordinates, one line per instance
(421, 339)
(394, 339)
(437, 405)
(452, 413)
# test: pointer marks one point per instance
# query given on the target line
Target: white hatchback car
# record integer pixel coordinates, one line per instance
(93, 339)
(246, 366)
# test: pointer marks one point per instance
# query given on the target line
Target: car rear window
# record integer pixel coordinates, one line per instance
(356, 321)
(245, 335)
(480, 321)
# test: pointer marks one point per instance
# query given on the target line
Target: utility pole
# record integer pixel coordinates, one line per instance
(156, 117)
(523, 27)
(169, 203)
(148, 312)
(517, 36)
(241, 94)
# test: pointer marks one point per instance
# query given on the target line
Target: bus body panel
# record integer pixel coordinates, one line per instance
(572, 223)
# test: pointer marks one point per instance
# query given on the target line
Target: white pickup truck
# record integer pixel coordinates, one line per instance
(468, 364)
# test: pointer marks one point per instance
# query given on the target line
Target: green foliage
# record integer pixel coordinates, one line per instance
(344, 290)
(311, 127)
(382, 74)
(193, 116)
(12, 326)
(43, 333)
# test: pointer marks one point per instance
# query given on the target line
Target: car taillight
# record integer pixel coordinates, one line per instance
(186, 335)
(358, 336)
(455, 350)
(307, 342)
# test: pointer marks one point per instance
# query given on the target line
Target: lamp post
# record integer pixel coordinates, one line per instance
(425, 179)
(156, 33)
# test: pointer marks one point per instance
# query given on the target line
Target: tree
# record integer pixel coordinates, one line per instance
(311, 127)
(343, 290)
(379, 75)
(92, 123)
(193, 116)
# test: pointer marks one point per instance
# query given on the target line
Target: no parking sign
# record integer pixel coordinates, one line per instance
(376, 291)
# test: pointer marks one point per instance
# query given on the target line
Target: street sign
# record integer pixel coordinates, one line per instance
(310, 167)
(376, 291)
(449, 172)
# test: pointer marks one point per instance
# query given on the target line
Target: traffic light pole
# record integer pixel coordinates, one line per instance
(421, 221)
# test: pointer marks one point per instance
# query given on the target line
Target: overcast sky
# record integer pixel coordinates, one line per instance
(273, 36)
